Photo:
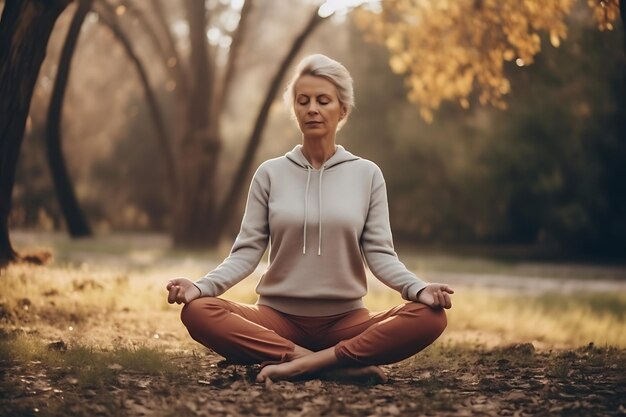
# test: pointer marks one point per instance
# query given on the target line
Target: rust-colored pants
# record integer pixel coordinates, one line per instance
(245, 333)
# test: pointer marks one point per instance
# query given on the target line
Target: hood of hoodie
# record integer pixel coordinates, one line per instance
(340, 156)
(296, 156)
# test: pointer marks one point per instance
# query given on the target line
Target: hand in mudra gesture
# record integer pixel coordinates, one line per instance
(436, 295)
(181, 290)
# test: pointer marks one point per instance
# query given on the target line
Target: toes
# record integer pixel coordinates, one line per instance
(381, 374)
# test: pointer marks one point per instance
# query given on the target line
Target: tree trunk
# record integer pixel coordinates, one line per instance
(201, 144)
(622, 14)
(25, 29)
(74, 217)
(241, 177)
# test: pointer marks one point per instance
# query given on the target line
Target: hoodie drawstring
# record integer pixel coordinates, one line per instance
(319, 245)
(306, 210)
(306, 206)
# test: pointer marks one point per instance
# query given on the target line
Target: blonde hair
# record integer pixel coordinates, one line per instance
(319, 65)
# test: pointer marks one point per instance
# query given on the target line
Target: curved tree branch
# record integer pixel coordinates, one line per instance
(164, 141)
(75, 219)
(226, 210)
(231, 66)
(173, 49)
(166, 52)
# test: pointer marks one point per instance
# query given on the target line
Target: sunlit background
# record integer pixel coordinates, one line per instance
(515, 137)
(499, 127)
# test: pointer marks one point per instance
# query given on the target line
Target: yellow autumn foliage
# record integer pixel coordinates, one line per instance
(449, 49)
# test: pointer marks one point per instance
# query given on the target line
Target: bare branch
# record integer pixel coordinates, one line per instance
(75, 219)
(172, 48)
(231, 66)
(108, 17)
(173, 68)
(254, 141)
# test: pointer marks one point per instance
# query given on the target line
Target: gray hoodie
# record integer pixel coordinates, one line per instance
(321, 225)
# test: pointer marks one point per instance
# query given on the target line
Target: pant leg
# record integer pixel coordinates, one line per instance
(242, 333)
(386, 337)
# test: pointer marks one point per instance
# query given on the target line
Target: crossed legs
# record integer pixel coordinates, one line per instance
(356, 341)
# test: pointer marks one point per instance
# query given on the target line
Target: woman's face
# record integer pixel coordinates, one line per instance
(316, 106)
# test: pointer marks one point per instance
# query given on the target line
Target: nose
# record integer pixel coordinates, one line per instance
(312, 108)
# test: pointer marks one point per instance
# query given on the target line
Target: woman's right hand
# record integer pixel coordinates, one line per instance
(181, 290)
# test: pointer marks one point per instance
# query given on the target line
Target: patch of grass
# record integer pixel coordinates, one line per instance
(555, 319)
(606, 356)
(89, 366)
(143, 359)
(610, 304)
(64, 294)
(21, 349)
(121, 296)
(445, 355)
(60, 294)
(560, 369)
(503, 261)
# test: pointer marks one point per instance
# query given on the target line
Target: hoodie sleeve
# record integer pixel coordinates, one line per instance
(249, 245)
(377, 245)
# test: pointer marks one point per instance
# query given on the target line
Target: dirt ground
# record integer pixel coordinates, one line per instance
(68, 306)
(510, 381)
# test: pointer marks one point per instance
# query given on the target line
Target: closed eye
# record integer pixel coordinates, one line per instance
(323, 99)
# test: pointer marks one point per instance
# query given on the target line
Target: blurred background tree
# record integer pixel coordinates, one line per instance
(25, 28)
(202, 82)
(546, 172)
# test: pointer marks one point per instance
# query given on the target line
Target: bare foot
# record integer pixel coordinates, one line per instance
(314, 363)
(291, 370)
(299, 352)
(372, 374)
(283, 370)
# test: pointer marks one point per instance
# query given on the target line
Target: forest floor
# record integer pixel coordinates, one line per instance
(91, 334)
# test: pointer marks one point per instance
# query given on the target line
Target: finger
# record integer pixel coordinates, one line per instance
(449, 290)
(171, 297)
(171, 283)
(446, 288)
(448, 301)
(442, 296)
(180, 295)
(442, 300)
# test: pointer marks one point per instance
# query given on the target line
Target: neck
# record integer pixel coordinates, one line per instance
(318, 150)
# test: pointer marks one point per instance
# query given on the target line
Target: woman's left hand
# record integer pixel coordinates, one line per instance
(436, 295)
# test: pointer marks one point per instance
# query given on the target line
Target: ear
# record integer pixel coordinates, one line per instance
(344, 112)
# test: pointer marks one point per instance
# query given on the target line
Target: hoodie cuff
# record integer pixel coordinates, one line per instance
(413, 290)
(206, 287)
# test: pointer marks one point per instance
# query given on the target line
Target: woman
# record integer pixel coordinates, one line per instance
(324, 211)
